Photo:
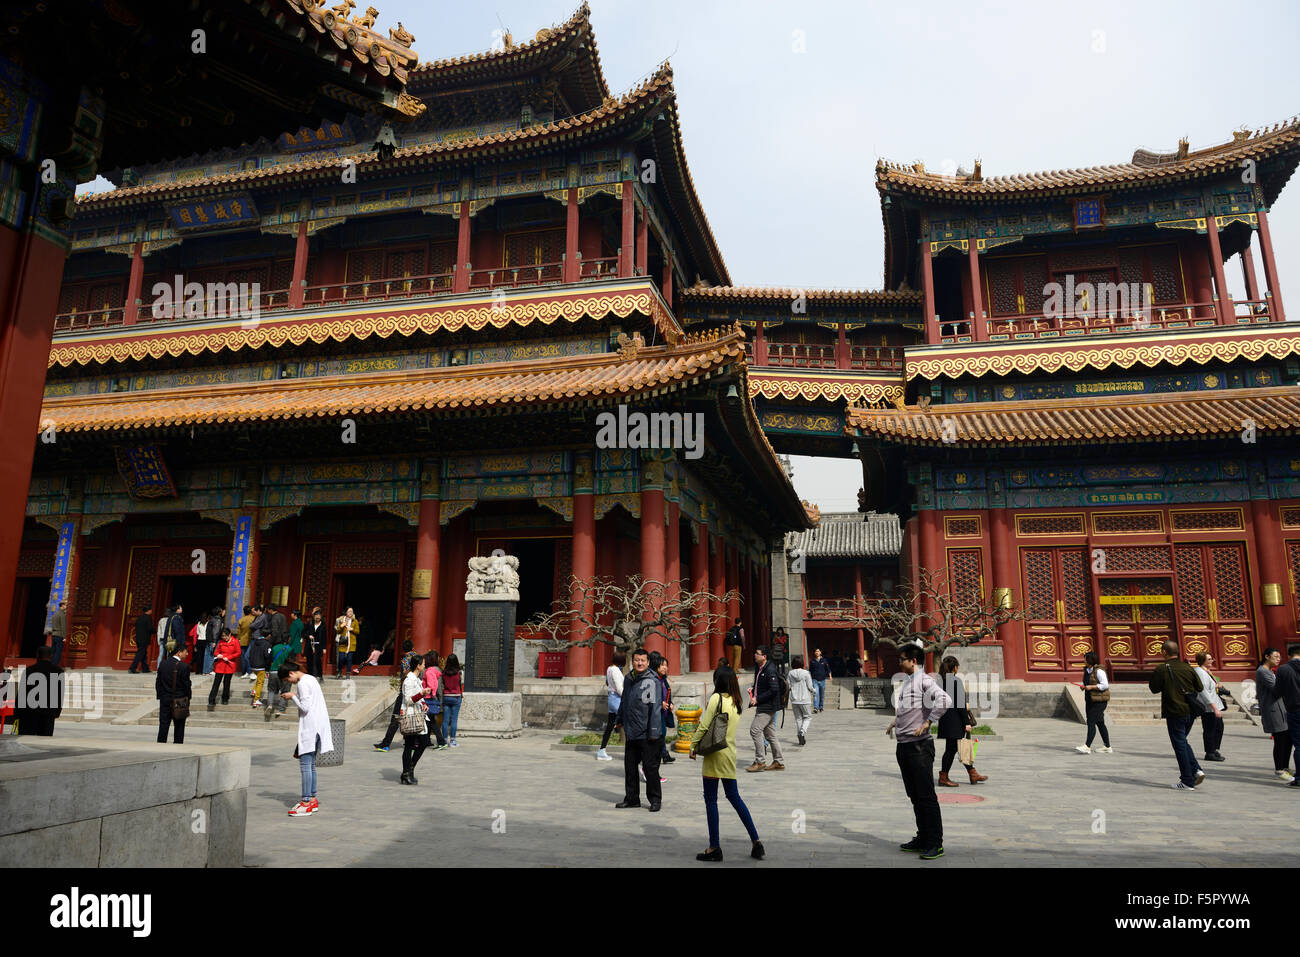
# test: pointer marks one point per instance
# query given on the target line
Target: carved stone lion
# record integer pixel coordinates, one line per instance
(494, 578)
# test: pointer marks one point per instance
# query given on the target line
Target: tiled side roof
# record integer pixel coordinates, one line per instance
(850, 535)
(1192, 415)
(1143, 169)
(849, 297)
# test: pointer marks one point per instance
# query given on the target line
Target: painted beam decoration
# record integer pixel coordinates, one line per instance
(209, 214)
(323, 137)
(144, 471)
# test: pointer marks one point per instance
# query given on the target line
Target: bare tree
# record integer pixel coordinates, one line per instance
(626, 614)
(926, 612)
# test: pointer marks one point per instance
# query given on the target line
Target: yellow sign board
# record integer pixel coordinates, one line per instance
(1137, 599)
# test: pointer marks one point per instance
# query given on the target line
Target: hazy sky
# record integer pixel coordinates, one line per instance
(782, 145)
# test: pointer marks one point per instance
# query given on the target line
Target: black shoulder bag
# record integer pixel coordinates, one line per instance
(180, 706)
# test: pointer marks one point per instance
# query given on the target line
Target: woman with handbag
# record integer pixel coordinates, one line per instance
(412, 723)
(1096, 693)
(1212, 719)
(954, 727)
(660, 665)
(715, 738)
(613, 700)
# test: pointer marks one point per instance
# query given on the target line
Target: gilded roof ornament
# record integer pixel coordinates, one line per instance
(629, 346)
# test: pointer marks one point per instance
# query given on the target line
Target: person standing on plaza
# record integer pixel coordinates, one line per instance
(414, 703)
(58, 631)
(767, 702)
(164, 623)
(801, 697)
(720, 766)
(176, 630)
(172, 687)
(640, 714)
(225, 659)
(216, 627)
(316, 640)
(347, 629)
(1096, 694)
(279, 656)
(244, 630)
(1212, 718)
(853, 667)
(296, 630)
(453, 694)
(820, 669)
(660, 666)
(1287, 689)
(259, 658)
(42, 700)
(1174, 681)
(279, 625)
(409, 659)
(143, 633)
(613, 700)
(921, 702)
(735, 645)
(837, 664)
(433, 699)
(1272, 713)
(955, 724)
(314, 736)
(199, 631)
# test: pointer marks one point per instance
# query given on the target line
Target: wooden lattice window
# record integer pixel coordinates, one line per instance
(965, 580)
(1049, 524)
(1191, 583)
(1166, 275)
(1229, 583)
(1075, 592)
(1291, 518)
(961, 527)
(1040, 592)
(1117, 523)
(1137, 558)
(1002, 286)
(1222, 519)
(534, 248)
(1293, 560)
(365, 265)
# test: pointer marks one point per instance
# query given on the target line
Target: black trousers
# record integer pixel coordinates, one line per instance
(609, 729)
(314, 659)
(1281, 750)
(950, 753)
(165, 720)
(413, 746)
(141, 658)
(1096, 713)
(1211, 732)
(196, 659)
(224, 681)
(646, 754)
(916, 762)
(393, 721)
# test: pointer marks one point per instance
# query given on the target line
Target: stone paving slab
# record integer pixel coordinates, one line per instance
(519, 803)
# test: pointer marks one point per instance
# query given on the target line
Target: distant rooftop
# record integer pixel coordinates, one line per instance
(850, 535)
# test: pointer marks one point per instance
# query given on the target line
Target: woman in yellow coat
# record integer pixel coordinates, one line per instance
(346, 631)
(721, 765)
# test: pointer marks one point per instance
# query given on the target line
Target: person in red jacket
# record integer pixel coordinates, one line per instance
(224, 662)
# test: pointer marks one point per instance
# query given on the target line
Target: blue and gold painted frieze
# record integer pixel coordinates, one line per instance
(1131, 385)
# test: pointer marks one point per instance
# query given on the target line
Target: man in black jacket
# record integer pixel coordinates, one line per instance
(143, 635)
(767, 702)
(640, 713)
(1174, 681)
(42, 699)
(315, 639)
(172, 682)
(176, 632)
(279, 626)
(1287, 690)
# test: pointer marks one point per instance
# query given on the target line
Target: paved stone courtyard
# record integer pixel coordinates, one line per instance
(1039, 808)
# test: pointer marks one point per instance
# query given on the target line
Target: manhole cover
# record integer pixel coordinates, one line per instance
(960, 799)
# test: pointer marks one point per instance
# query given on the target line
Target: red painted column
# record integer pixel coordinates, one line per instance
(584, 557)
(760, 345)
(927, 293)
(930, 556)
(1270, 270)
(1216, 269)
(858, 609)
(424, 611)
(700, 651)
(733, 606)
(627, 235)
(666, 287)
(461, 281)
(297, 290)
(572, 264)
(31, 272)
(642, 242)
(1202, 283)
(673, 574)
(1248, 272)
(1006, 574)
(131, 311)
(652, 549)
(745, 570)
(1271, 562)
(718, 586)
(979, 329)
(841, 347)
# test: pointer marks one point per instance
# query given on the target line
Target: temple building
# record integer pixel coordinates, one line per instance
(330, 366)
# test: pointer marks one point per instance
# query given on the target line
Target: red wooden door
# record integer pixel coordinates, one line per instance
(1215, 609)
(1059, 604)
(1137, 618)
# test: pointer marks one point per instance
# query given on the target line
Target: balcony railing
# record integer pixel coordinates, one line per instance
(88, 319)
(861, 358)
(377, 290)
(873, 358)
(793, 356)
(510, 277)
(845, 611)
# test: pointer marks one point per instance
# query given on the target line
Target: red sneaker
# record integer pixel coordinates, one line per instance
(314, 805)
(301, 809)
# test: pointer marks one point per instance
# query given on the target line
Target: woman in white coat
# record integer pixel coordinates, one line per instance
(314, 736)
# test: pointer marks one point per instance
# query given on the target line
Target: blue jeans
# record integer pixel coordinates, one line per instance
(1187, 763)
(819, 694)
(345, 662)
(56, 649)
(243, 662)
(711, 807)
(450, 712)
(1293, 725)
(307, 764)
(208, 653)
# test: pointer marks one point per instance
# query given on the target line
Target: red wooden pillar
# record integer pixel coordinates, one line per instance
(927, 293)
(1006, 574)
(979, 330)
(297, 286)
(1198, 267)
(760, 345)
(461, 281)
(31, 272)
(666, 287)
(627, 235)
(673, 574)
(1248, 272)
(642, 242)
(841, 347)
(572, 264)
(1271, 562)
(718, 586)
(930, 555)
(745, 571)
(733, 585)
(424, 611)
(1277, 314)
(700, 651)
(858, 610)
(1216, 269)
(131, 311)
(652, 548)
(584, 555)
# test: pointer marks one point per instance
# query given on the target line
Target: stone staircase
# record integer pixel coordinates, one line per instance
(1133, 703)
(129, 699)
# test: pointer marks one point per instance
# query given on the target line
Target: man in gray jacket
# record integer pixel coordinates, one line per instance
(640, 714)
(1272, 712)
(57, 632)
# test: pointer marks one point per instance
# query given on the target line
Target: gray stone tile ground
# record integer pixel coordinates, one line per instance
(555, 808)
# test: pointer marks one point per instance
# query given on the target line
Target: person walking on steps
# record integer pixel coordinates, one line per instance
(769, 698)
(409, 658)
(820, 669)
(172, 687)
(640, 714)
(720, 766)
(921, 702)
(954, 726)
(1096, 695)
(1212, 719)
(143, 634)
(735, 642)
(414, 721)
(314, 737)
(613, 700)
(1178, 688)
(225, 659)
(1287, 688)
(801, 696)
(1272, 713)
